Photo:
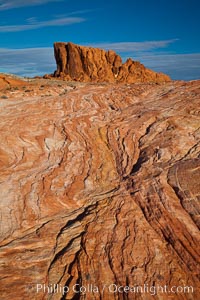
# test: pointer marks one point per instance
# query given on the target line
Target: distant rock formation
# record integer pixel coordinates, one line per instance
(87, 64)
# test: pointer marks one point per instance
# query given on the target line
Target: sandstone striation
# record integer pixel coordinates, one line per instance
(99, 185)
(87, 64)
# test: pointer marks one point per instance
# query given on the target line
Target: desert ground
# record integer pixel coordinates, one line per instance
(99, 189)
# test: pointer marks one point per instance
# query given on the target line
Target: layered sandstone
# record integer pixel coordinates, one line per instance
(99, 185)
(87, 64)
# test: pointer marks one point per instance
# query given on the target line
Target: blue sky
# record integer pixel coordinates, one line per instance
(162, 34)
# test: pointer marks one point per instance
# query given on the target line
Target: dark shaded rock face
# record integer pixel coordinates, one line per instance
(87, 64)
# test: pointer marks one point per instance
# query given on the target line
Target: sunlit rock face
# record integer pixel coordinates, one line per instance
(99, 185)
(89, 64)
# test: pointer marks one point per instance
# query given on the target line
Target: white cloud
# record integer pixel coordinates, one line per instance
(10, 4)
(27, 62)
(135, 46)
(178, 66)
(32, 23)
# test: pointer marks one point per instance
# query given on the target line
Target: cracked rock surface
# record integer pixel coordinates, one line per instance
(99, 185)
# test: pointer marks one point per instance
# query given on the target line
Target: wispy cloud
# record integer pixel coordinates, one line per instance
(178, 66)
(135, 46)
(27, 62)
(32, 23)
(10, 4)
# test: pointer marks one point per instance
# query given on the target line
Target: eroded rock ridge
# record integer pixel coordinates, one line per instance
(87, 64)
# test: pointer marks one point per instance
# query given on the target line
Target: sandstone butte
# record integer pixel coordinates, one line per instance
(88, 64)
(99, 185)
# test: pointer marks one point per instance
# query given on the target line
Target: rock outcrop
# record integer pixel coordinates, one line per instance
(99, 188)
(87, 64)
(10, 81)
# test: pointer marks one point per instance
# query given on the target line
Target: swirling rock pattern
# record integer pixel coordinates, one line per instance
(99, 184)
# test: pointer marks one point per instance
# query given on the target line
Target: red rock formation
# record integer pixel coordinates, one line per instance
(7, 81)
(92, 64)
(99, 186)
